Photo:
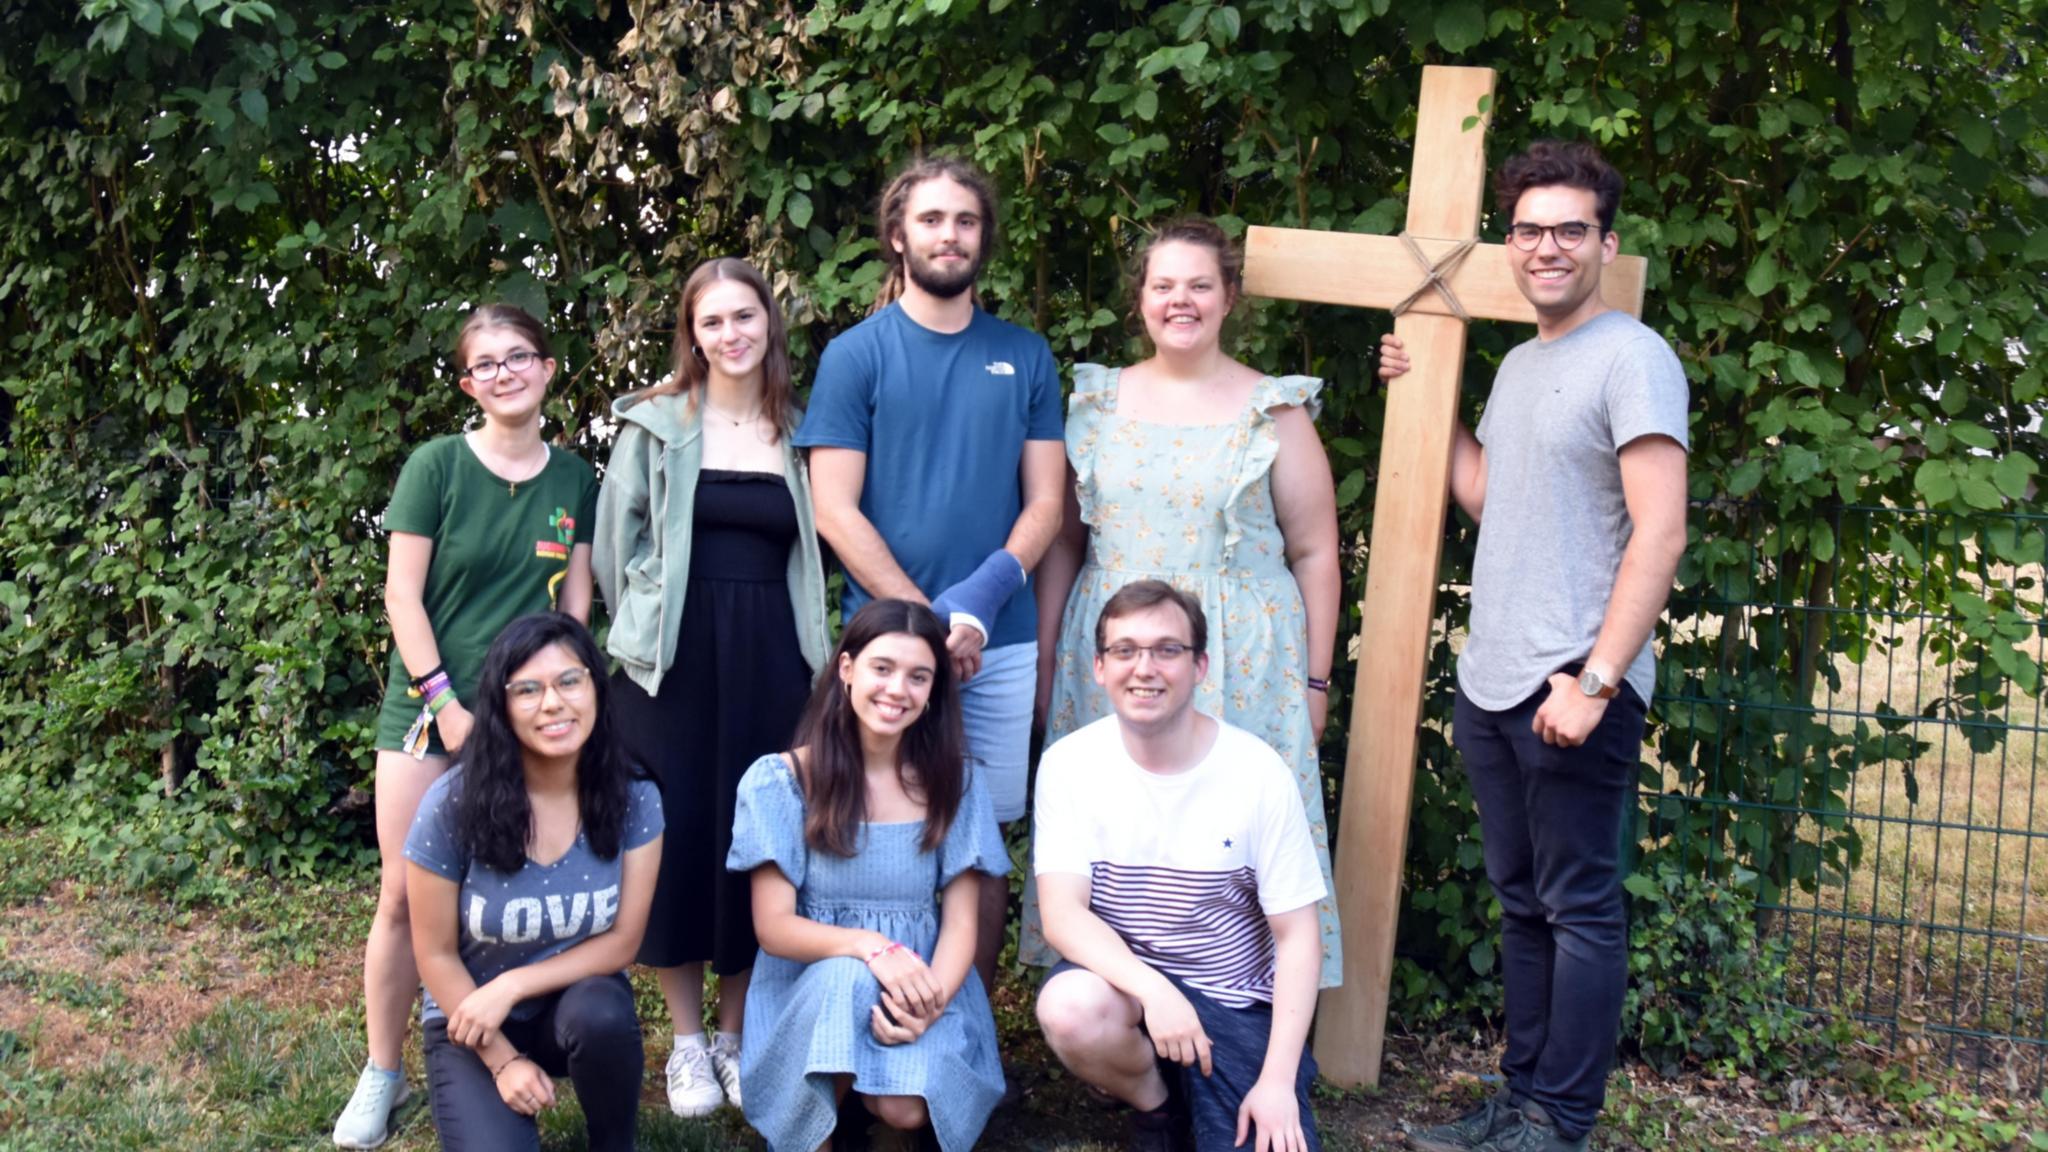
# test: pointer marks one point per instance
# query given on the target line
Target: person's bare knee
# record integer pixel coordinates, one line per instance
(903, 1113)
(1080, 1012)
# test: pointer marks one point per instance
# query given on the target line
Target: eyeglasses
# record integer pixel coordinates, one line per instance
(487, 370)
(1569, 235)
(526, 695)
(1164, 652)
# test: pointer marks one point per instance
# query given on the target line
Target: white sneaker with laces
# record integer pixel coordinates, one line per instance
(692, 1086)
(725, 1061)
(366, 1122)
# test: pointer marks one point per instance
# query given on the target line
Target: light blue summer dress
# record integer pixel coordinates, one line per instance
(807, 1023)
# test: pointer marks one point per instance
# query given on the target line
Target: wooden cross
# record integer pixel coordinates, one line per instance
(1444, 197)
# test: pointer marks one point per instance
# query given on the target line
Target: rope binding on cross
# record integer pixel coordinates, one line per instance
(1437, 275)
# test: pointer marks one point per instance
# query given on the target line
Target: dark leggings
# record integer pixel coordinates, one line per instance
(587, 1032)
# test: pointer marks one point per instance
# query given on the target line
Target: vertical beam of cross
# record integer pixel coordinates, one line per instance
(1446, 186)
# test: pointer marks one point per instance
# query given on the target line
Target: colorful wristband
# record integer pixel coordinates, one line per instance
(878, 953)
(441, 699)
(1318, 685)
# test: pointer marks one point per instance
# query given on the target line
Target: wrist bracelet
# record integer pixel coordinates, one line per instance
(420, 681)
(1316, 684)
(515, 1058)
(878, 953)
(441, 699)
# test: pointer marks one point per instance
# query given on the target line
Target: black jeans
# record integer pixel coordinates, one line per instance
(587, 1032)
(1552, 822)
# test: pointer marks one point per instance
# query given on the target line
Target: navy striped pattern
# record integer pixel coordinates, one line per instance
(1204, 927)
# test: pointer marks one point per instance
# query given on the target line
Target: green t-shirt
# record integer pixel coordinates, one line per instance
(501, 551)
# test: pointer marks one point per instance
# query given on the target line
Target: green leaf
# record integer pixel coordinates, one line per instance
(1974, 435)
(1643, 888)
(1979, 492)
(1460, 25)
(1763, 275)
(2036, 248)
(1147, 104)
(1349, 488)
(1935, 481)
(2013, 472)
(1225, 24)
(176, 398)
(799, 209)
(1114, 134)
(256, 106)
(1744, 477)
(1820, 540)
(148, 16)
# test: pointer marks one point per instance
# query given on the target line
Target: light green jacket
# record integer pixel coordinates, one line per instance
(642, 547)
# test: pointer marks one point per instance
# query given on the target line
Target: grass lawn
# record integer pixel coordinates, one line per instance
(128, 1023)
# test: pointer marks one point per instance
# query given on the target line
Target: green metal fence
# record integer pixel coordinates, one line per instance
(1847, 723)
(1855, 730)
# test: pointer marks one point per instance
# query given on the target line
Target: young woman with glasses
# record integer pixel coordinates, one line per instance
(530, 869)
(486, 526)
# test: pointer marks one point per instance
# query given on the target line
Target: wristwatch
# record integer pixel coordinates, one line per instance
(1592, 685)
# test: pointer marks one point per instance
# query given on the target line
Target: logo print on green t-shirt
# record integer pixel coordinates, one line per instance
(557, 549)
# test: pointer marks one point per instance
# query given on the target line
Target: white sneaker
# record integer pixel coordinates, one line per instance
(692, 1087)
(366, 1122)
(725, 1061)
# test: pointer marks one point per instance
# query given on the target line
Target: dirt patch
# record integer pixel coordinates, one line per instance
(88, 974)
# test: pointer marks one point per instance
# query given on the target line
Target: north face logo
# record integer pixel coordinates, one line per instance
(1002, 368)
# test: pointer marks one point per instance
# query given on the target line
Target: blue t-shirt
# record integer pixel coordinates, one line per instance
(943, 418)
(519, 918)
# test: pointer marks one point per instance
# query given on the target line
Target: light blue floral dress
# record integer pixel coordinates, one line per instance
(807, 1023)
(1193, 505)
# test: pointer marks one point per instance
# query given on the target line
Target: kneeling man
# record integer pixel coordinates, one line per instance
(1178, 879)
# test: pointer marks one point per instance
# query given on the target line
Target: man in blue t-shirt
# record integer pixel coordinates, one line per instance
(938, 468)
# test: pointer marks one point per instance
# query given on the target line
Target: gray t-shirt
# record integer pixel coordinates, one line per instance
(1555, 524)
(509, 920)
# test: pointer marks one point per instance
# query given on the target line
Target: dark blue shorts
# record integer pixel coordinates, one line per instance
(1237, 1054)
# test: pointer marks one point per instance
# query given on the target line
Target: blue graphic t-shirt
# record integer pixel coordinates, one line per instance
(513, 919)
(943, 418)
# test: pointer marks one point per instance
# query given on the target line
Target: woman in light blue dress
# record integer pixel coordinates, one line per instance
(867, 845)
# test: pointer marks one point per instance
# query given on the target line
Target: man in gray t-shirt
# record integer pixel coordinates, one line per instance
(1579, 470)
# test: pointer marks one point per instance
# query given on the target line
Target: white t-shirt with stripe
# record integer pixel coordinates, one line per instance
(1185, 867)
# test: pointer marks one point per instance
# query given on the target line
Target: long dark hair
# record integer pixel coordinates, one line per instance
(896, 200)
(778, 396)
(930, 762)
(493, 817)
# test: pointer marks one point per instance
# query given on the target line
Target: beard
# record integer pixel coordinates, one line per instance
(942, 284)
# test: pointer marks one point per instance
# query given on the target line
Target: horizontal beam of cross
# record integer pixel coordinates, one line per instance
(1365, 271)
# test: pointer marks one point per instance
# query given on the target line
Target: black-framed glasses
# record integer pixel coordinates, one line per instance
(1569, 235)
(526, 695)
(487, 370)
(1164, 652)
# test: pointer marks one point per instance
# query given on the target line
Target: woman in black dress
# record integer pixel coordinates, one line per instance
(709, 562)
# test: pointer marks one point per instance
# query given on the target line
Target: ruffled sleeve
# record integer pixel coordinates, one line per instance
(974, 841)
(768, 824)
(1263, 446)
(1093, 399)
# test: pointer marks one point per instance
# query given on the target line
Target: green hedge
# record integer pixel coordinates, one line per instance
(235, 237)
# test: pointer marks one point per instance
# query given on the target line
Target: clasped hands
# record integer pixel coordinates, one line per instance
(912, 995)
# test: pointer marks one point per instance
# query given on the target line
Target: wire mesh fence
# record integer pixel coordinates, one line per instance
(1856, 732)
